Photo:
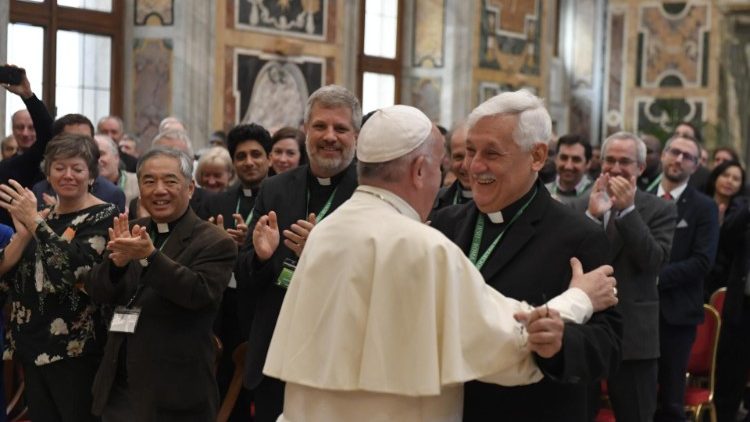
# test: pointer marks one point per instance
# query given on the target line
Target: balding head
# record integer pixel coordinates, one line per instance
(23, 129)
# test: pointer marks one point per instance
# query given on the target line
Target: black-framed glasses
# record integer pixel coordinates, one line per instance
(676, 153)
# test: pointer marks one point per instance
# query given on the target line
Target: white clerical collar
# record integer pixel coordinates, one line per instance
(247, 192)
(674, 193)
(496, 217)
(162, 227)
(324, 181)
(467, 193)
(391, 199)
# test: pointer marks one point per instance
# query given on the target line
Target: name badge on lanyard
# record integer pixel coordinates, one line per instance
(125, 320)
(285, 277)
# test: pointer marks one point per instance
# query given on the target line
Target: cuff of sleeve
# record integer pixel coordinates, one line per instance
(594, 219)
(625, 212)
(574, 305)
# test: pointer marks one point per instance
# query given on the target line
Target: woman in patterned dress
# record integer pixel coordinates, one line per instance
(55, 331)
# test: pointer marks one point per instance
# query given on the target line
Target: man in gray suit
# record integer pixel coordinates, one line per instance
(640, 228)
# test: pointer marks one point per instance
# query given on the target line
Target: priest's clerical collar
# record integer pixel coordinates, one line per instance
(325, 181)
(162, 228)
(507, 213)
(247, 192)
(467, 193)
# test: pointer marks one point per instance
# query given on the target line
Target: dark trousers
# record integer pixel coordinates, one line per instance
(732, 366)
(228, 328)
(675, 344)
(269, 399)
(632, 390)
(60, 391)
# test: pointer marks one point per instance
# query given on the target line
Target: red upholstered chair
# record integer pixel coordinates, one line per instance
(699, 394)
(605, 415)
(717, 300)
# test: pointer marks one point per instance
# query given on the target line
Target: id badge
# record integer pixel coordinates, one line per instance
(287, 271)
(125, 320)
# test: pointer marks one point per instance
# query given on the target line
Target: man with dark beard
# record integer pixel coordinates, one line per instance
(293, 202)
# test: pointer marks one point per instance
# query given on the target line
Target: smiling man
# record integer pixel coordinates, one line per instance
(696, 238)
(458, 192)
(512, 224)
(165, 276)
(292, 202)
(572, 163)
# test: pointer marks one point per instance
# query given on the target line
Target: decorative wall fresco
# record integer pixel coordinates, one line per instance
(615, 72)
(673, 43)
(510, 36)
(154, 12)
(659, 116)
(301, 18)
(425, 96)
(429, 24)
(152, 85)
(271, 90)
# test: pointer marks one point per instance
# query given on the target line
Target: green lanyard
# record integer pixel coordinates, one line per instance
(654, 183)
(479, 229)
(121, 182)
(324, 210)
(237, 211)
(455, 197)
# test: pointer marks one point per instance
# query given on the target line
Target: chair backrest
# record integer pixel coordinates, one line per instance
(717, 299)
(703, 353)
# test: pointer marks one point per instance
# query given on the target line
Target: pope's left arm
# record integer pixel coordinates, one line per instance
(201, 282)
(592, 350)
(705, 240)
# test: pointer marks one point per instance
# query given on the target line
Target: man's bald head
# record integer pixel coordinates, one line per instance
(23, 129)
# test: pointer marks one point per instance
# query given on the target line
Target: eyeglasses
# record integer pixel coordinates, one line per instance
(623, 162)
(676, 153)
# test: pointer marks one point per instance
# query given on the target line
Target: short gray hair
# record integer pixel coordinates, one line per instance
(115, 118)
(177, 134)
(215, 155)
(110, 143)
(332, 96)
(640, 146)
(186, 163)
(534, 123)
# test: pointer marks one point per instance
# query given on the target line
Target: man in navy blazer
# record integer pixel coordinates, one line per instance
(681, 281)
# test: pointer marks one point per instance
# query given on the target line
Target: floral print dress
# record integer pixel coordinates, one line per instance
(52, 318)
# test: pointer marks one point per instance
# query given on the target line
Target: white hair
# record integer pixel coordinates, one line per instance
(534, 123)
(175, 134)
(640, 146)
(110, 143)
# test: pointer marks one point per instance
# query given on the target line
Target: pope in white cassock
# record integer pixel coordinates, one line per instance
(385, 318)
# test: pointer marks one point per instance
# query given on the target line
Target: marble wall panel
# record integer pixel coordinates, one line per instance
(425, 96)
(510, 36)
(154, 12)
(300, 18)
(488, 89)
(615, 71)
(152, 84)
(673, 43)
(429, 25)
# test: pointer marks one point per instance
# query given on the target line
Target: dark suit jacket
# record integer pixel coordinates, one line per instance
(640, 243)
(735, 239)
(286, 194)
(447, 195)
(170, 357)
(696, 237)
(532, 264)
(24, 168)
